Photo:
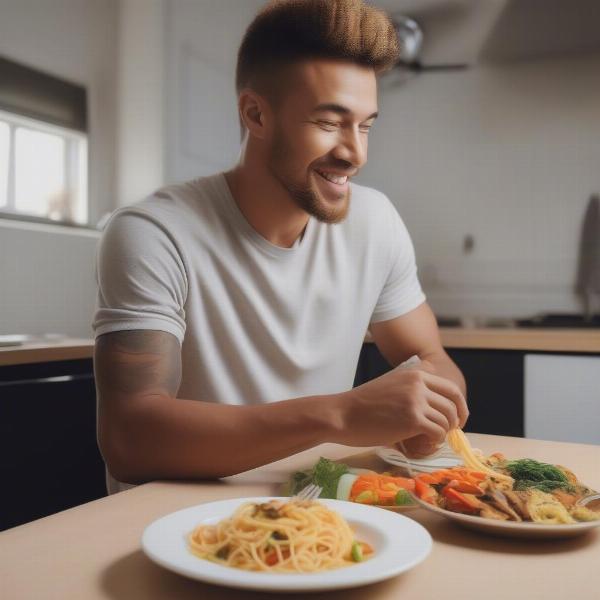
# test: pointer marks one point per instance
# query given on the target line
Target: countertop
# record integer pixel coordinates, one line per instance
(540, 340)
(45, 351)
(528, 339)
(93, 551)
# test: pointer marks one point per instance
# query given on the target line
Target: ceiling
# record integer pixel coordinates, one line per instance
(467, 31)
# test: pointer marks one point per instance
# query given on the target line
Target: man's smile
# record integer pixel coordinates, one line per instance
(332, 177)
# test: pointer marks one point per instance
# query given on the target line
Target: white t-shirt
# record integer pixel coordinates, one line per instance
(257, 323)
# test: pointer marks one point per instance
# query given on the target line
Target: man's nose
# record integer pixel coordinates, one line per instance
(352, 148)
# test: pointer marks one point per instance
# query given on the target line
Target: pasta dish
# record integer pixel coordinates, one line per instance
(494, 487)
(291, 537)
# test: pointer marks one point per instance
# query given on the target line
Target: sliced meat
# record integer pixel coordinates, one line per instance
(489, 512)
(518, 502)
(498, 500)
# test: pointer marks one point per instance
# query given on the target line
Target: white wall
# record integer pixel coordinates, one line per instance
(140, 99)
(202, 39)
(508, 153)
(46, 272)
(47, 279)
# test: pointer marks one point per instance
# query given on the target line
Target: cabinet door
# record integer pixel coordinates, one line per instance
(49, 459)
(562, 398)
(494, 389)
(494, 384)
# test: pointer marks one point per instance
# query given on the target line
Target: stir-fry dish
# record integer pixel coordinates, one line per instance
(510, 490)
(523, 490)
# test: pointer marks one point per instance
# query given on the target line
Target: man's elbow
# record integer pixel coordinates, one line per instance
(118, 452)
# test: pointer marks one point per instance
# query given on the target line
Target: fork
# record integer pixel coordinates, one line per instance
(310, 492)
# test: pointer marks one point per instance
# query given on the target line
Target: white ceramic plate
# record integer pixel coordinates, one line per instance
(511, 528)
(443, 459)
(399, 543)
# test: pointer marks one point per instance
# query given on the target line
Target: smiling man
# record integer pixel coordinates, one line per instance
(232, 308)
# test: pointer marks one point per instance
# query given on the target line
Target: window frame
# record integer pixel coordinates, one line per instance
(76, 159)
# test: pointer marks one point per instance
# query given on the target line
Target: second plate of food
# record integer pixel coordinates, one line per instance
(398, 544)
(526, 530)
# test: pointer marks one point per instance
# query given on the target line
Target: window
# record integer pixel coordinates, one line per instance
(43, 146)
(43, 170)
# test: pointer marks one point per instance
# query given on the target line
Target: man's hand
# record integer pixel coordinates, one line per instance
(404, 404)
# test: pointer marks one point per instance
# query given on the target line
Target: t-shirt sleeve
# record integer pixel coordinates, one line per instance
(141, 277)
(401, 291)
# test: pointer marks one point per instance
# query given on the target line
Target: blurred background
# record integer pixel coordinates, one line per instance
(488, 144)
(491, 163)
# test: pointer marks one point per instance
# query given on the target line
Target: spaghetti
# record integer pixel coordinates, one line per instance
(292, 537)
(460, 444)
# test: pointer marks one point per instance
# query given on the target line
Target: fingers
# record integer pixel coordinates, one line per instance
(417, 447)
(445, 407)
(438, 418)
(434, 432)
(449, 390)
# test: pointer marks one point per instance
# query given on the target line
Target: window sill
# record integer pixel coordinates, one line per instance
(31, 223)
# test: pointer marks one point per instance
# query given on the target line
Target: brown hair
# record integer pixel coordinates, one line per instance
(286, 31)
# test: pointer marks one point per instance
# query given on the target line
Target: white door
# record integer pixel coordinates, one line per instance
(562, 398)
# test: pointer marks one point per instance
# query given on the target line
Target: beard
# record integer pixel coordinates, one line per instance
(306, 194)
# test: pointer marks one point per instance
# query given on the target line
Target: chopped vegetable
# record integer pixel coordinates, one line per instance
(465, 486)
(357, 552)
(425, 492)
(272, 558)
(459, 502)
(367, 497)
(325, 474)
(403, 498)
(345, 486)
(372, 488)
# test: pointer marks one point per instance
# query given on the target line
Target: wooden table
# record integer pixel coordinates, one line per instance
(93, 551)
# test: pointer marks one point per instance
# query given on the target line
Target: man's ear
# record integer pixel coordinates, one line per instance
(252, 108)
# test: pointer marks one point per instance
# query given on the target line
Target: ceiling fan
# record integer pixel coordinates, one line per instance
(410, 38)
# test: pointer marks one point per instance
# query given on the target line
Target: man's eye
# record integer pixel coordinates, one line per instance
(365, 128)
(329, 125)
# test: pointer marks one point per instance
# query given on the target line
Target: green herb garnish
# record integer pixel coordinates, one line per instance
(529, 473)
(325, 474)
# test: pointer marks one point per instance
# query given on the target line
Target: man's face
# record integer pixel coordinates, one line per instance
(319, 134)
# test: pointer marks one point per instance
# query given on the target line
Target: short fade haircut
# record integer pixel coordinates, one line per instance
(288, 31)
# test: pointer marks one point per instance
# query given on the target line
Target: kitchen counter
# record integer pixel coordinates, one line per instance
(540, 340)
(533, 339)
(45, 351)
(93, 551)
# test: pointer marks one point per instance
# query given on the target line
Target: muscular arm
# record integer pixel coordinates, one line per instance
(416, 333)
(145, 432)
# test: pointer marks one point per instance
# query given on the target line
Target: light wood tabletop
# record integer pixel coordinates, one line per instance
(93, 551)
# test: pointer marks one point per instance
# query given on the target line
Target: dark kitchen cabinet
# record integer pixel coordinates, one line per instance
(494, 382)
(49, 458)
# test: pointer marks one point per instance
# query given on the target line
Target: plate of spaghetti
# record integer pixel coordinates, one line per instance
(278, 544)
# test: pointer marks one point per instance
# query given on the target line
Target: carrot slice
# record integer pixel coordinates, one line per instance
(459, 502)
(465, 487)
(425, 492)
